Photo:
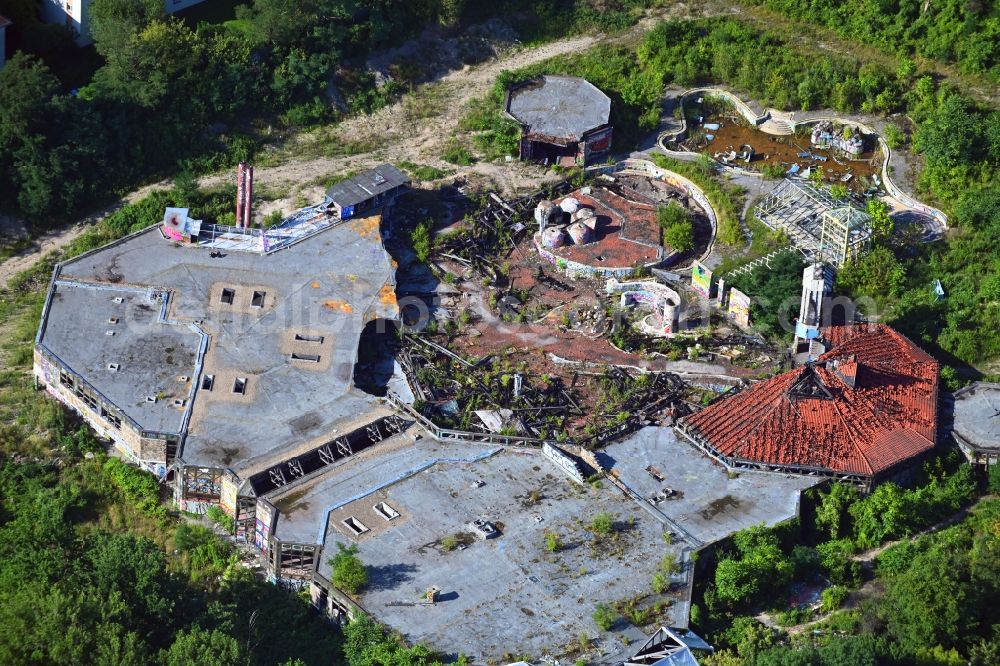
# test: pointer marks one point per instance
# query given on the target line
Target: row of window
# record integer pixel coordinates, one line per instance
(89, 399)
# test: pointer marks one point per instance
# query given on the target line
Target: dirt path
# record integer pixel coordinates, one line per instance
(866, 558)
(54, 241)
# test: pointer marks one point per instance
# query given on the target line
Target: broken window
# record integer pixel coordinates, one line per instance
(228, 296)
(66, 379)
(240, 385)
(257, 301)
(207, 382)
(112, 419)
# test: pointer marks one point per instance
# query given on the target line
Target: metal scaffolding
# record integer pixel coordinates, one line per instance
(819, 226)
(845, 235)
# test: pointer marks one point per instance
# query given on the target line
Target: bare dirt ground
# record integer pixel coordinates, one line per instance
(56, 240)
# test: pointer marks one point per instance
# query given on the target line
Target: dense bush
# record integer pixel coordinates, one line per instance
(952, 31)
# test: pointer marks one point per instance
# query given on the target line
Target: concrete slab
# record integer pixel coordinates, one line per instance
(506, 595)
(285, 324)
(706, 502)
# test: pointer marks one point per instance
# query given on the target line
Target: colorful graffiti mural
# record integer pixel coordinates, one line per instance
(701, 279)
(739, 308)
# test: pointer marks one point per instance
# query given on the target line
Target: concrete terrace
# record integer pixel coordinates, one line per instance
(284, 325)
(504, 595)
(708, 504)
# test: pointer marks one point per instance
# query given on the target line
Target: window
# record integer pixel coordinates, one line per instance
(114, 420)
(309, 338)
(257, 301)
(66, 379)
(207, 382)
(89, 400)
(311, 358)
(228, 296)
(240, 385)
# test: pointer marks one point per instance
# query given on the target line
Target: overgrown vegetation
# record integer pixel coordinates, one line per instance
(347, 570)
(774, 292)
(956, 32)
(929, 604)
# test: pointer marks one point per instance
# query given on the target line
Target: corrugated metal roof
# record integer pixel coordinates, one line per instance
(864, 406)
(366, 185)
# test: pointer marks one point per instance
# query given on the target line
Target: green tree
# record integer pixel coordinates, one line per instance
(878, 275)
(882, 224)
(759, 567)
(115, 23)
(349, 573)
(202, 647)
(678, 232)
(832, 512)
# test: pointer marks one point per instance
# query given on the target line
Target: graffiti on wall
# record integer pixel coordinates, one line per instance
(739, 308)
(701, 279)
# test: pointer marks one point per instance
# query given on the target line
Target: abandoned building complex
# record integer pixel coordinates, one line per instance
(859, 412)
(225, 360)
(564, 119)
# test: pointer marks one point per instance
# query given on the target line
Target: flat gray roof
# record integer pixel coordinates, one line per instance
(152, 356)
(707, 503)
(564, 107)
(366, 185)
(325, 287)
(977, 415)
(504, 595)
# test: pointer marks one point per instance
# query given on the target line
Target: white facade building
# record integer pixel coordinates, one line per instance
(75, 14)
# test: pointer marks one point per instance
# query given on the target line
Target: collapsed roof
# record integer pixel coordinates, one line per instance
(862, 408)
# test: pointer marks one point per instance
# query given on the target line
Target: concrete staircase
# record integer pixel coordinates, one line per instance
(777, 126)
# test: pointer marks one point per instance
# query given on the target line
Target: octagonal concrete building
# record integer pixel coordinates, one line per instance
(564, 119)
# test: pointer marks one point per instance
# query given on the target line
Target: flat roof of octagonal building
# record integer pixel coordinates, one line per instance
(558, 107)
(286, 325)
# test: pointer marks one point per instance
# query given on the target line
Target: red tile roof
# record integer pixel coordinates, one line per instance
(865, 405)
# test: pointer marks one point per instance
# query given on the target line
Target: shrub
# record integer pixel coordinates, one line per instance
(605, 617)
(135, 484)
(893, 135)
(603, 524)
(420, 239)
(221, 518)
(449, 542)
(773, 171)
(834, 597)
(349, 573)
(457, 153)
(552, 542)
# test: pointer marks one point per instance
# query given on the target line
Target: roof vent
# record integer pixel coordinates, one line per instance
(109, 333)
(113, 367)
(180, 402)
(150, 399)
(182, 378)
(112, 320)
(118, 299)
